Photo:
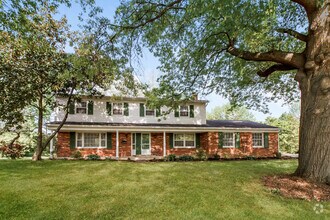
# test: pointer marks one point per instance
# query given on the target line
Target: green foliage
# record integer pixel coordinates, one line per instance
(186, 158)
(191, 39)
(228, 112)
(216, 156)
(77, 154)
(93, 157)
(289, 132)
(170, 157)
(13, 152)
(201, 154)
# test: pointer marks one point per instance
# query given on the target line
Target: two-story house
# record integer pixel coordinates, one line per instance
(126, 127)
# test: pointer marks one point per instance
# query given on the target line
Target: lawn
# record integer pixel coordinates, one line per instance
(127, 190)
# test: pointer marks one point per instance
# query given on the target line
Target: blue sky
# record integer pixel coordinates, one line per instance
(147, 70)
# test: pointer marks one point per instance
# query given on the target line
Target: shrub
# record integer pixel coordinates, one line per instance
(13, 152)
(170, 157)
(250, 158)
(216, 156)
(93, 157)
(278, 155)
(186, 158)
(201, 154)
(77, 154)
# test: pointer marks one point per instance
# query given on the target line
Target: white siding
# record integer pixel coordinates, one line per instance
(100, 115)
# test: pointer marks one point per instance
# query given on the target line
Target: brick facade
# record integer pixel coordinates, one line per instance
(209, 142)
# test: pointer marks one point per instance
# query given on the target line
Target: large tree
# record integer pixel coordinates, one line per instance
(228, 112)
(248, 51)
(35, 66)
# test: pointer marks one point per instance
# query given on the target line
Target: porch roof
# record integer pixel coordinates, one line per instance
(210, 125)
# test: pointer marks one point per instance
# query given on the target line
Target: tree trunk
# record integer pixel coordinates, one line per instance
(39, 148)
(314, 81)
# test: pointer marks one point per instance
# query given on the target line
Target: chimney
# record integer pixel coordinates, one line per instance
(194, 96)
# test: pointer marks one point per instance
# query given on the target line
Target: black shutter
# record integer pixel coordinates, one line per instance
(126, 109)
(266, 140)
(72, 140)
(192, 111)
(71, 107)
(109, 110)
(237, 140)
(198, 140)
(171, 141)
(90, 107)
(141, 109)
(109, 140)
(220, 141)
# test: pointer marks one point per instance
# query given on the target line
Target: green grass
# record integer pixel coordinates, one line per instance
(124, 190)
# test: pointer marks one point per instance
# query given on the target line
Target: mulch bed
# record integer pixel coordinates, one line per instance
(294, 187)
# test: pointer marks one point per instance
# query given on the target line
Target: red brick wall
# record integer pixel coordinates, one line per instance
(209, 142)
(245, 149)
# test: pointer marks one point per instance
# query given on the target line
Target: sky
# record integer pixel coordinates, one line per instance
(147, 70)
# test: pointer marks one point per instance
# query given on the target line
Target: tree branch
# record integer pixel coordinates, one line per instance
(293, 33)
(274, 68)
(62, 122)
(296, 60)
(161, 13)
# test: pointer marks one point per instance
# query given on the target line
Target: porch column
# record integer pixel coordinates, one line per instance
(51, 147)
(164, 144)
(117, 144)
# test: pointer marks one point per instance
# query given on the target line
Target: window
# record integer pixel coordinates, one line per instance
(145, 141)
(184, 140)
(150, 112)
(184, 110)
(91, 140)
(228, 140)
(117, 108)
(257, 140)
(81, 107)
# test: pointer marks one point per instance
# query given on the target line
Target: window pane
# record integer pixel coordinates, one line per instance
(190, 137)
(179, 137)
(178, 143)
(257, 139)
(117, 108)
(81, 107)
(183, 110)
(150, 112)
(190, 143)
(145, 138)
(228, 139)
(91, 139)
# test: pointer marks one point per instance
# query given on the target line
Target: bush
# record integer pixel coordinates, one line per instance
(278, 155)
(186, 158)
(250, 158)
(170, 157)
(216, 156)
(77, 154)
(93, 157)
(13, 152)
(201, 154)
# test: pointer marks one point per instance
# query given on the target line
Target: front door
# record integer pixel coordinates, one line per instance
(141, 144)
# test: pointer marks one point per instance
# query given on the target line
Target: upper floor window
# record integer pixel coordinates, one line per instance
(228, 140)
(184, 110)
(117, 108)
(81, 107)
(257, 140)
(150, 112)
(184, 140)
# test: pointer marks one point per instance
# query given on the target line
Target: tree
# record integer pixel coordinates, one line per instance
(289, 133)
(249, 51)
(35, 67)
(227, 112)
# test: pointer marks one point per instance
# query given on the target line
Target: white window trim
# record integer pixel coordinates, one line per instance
(234, 138)
(262, 140)
(188, 111)
(76, 106)
(83, 140)
(122, 108)
(184, 141)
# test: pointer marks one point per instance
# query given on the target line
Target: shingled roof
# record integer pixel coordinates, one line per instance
(209, 124)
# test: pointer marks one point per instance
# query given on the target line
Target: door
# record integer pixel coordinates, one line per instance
(141, 144)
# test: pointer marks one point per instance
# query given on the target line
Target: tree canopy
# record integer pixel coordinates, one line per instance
(228, 112)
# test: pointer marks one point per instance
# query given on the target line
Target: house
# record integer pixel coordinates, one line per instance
(126, 127)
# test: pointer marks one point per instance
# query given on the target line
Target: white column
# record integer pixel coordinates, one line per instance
(117, 144)
(164, 144)
(51, 147)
